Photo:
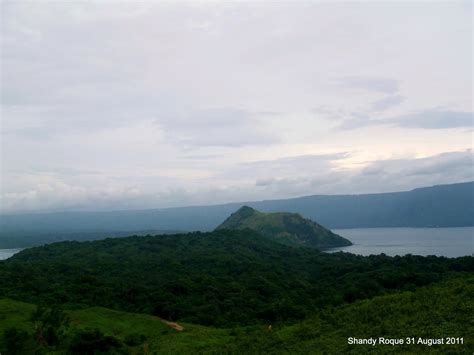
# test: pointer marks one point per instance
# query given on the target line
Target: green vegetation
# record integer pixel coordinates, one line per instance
(438, 311)
(286, 228)
(224, 278)
(232, 291)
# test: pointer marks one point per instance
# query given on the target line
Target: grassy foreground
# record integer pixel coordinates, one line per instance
(437, 311)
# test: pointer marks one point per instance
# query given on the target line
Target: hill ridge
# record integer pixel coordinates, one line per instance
(284, 227)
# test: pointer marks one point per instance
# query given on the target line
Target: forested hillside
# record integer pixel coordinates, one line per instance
(223, 278)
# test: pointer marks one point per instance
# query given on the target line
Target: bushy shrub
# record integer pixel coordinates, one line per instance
(134, 339)
(93, 341)
(16, 341)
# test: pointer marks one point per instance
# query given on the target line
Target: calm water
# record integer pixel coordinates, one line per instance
(450, 242)
(6, 253)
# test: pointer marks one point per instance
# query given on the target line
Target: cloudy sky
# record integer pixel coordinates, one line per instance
(115, 105)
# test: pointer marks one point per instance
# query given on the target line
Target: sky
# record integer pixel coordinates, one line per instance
(109, 105)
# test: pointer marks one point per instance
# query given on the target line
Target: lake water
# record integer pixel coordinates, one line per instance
(450, 242)
(6, 253)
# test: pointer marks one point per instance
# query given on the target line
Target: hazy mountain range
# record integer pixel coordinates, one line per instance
(438, 206)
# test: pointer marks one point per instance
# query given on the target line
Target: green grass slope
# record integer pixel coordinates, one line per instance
(287, 228)
(438, 311)
(159, 336)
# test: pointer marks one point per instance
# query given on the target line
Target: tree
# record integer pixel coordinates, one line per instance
(16, 341)
(93, 341)
(50, 324)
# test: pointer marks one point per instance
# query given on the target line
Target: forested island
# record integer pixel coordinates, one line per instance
(286, 228)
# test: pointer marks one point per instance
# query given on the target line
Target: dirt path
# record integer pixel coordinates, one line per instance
(173, 325)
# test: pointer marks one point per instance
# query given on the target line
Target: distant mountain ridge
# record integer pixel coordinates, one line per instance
(437, 206)
(286, 228)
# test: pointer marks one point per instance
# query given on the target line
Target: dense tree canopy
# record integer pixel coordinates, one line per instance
(222, 278)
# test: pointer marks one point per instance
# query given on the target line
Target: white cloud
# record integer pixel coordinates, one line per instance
(224, 127)
(382, 85)
(107, 104)
(279, 178)
(387, 102)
